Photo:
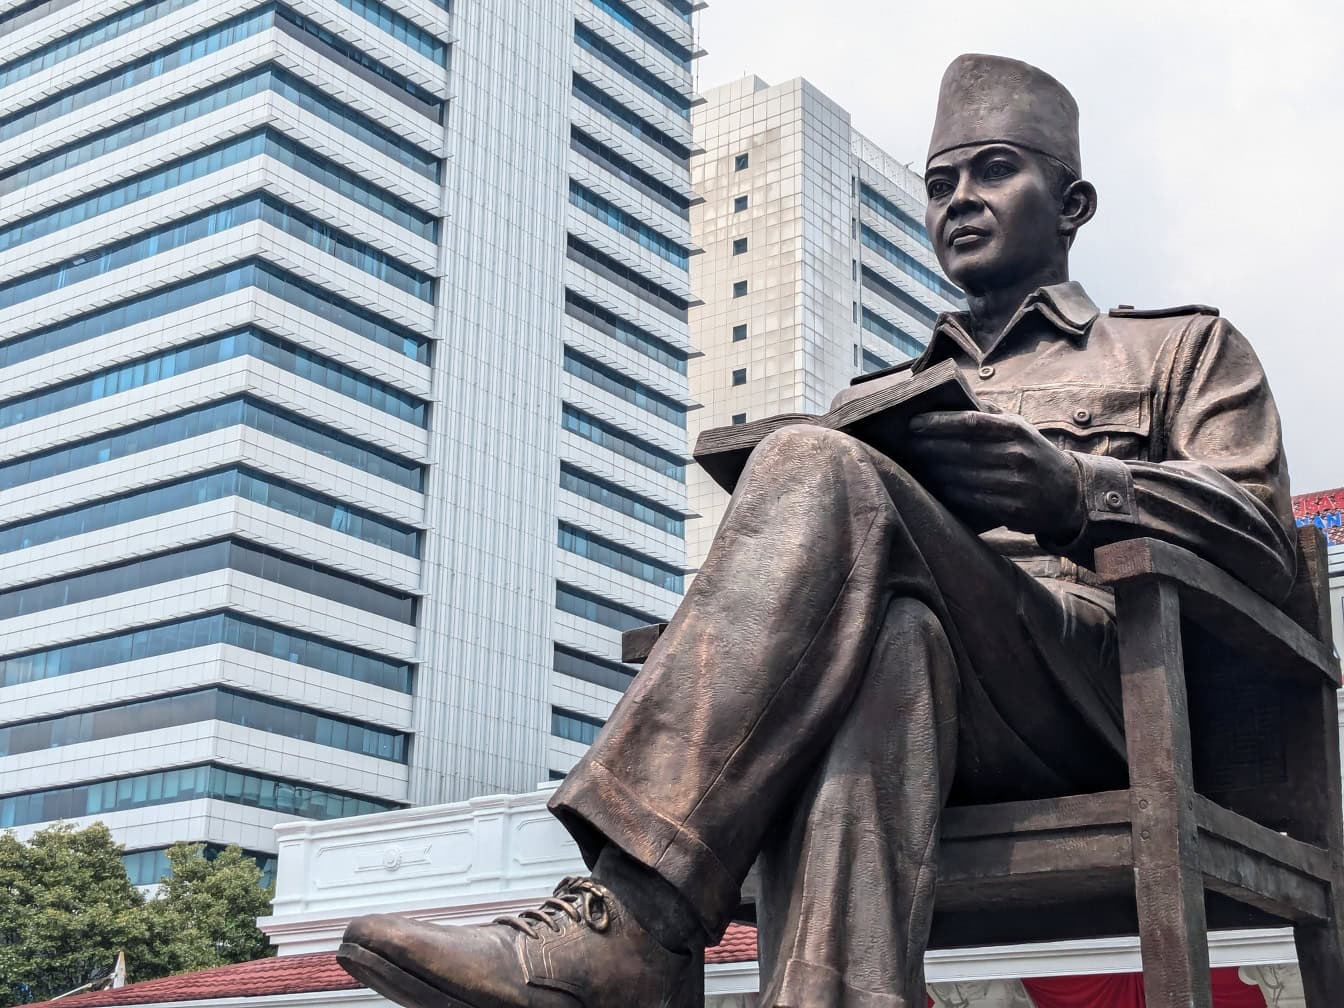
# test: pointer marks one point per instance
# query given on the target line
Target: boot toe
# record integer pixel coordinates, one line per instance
(379, 933)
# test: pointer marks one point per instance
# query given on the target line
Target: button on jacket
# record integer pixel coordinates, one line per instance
(1168, 415)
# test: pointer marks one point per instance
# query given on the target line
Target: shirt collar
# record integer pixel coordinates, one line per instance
(1064, 306)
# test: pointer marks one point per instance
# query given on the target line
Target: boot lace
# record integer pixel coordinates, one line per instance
(581, 900)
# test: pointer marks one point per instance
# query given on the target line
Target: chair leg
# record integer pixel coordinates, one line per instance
(1169, 886)
(1320, 957)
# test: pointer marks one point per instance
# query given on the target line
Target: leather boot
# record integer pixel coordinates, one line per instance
(579, 949)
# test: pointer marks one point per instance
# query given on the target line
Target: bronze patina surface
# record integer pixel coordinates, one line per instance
(856, 654)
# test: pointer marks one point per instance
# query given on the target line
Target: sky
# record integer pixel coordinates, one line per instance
(1214, 132)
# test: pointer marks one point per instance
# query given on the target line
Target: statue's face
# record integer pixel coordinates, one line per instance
(993, 215)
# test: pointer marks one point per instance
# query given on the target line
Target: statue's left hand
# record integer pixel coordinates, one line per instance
(993, 469)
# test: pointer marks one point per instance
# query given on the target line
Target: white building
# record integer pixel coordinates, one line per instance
(816, 265)
(343, 352)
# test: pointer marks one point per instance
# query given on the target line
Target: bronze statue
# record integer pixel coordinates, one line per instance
(853, 656)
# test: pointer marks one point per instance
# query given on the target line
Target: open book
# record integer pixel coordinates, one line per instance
(877, 418)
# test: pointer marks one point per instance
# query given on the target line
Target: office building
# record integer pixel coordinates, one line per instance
(816, 264)
(343, 351)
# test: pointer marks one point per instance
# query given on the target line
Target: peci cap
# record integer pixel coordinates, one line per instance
(984, 99)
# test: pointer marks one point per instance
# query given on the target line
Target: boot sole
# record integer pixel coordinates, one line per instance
(393, 982)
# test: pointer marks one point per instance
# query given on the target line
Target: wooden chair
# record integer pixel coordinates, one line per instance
(1233, 815)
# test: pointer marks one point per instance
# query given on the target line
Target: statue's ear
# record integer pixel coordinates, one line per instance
(1077, 208)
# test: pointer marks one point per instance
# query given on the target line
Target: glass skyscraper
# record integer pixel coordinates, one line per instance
(343, 385)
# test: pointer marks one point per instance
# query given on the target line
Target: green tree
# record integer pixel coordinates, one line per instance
(66, 909)
(204, 914)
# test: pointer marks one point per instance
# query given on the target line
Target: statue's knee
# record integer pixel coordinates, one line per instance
(911, 616)
(803, 448)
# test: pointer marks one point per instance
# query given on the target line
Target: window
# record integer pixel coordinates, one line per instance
(201, 631)
(627, 16)
(226, 346)
(909, 264)
(240, 411)
(893, 214)
(856, 311)
(872, 362)
(742, 162)
(739, 418)
(229, 706)
(636, 393)
(623, 443)
(740, 203)
(740, 289)
(621, 558)
(575, 727)
(237, 481)
(86, 38)
(230, 92)
(618, 498)
(224, 554)
(628, 225)
(739, 246)
(591, 94)
(185, 784)
(267, 209)
(586, 605)
(629, 172)
(740, 376)
(893, 334)
(199, 289)
(623, 276)
(626, 332)
(632, 71)
(739, 332)
(599, 671)
(150, 867)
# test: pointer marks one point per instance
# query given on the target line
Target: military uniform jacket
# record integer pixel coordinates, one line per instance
(1169, 417)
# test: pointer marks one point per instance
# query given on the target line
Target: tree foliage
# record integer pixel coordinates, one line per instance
(67, 908)
(206, 911)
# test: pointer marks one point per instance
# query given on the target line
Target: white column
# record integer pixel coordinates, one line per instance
(1282, 984)
(981, 994)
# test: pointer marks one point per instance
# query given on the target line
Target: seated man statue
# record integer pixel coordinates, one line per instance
(854, 655)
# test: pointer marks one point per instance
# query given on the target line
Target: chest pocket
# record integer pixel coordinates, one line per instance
(1097, 419)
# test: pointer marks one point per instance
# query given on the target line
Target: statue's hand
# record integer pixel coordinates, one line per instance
(993, 469)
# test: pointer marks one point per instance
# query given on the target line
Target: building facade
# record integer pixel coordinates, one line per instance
(343, 379)
(816, 265)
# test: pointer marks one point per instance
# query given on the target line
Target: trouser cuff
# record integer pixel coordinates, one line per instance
(598, 808)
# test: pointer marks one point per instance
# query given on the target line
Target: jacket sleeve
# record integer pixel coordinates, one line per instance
(1218, 480)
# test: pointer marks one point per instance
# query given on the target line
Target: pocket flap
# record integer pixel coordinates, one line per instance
(1088, 409)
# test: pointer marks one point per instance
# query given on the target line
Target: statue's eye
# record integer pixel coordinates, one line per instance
(999, 169)
(938, 188)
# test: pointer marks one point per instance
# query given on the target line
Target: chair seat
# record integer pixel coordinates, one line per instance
(1063, 868)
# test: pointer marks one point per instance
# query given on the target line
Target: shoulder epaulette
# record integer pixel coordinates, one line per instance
(1129, 311)
(894, 369)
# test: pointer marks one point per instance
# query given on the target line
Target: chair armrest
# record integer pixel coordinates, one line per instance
(637, 643)
(1220, 604)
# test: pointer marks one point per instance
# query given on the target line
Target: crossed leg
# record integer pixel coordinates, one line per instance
(849, 655)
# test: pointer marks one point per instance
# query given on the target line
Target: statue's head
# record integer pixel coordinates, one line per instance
(1004, 175)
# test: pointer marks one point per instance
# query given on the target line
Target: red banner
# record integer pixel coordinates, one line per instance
(1125, 990)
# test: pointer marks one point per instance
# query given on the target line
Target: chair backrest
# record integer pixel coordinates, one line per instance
(1309, 601)
(1240, 711)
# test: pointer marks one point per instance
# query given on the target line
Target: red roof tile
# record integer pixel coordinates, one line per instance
(738, 945)
(296, 974)
(300, 974)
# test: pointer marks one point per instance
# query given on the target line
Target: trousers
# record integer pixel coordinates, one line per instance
(849, 659)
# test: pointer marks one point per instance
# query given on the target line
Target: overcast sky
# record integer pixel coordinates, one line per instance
(1214, 132)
